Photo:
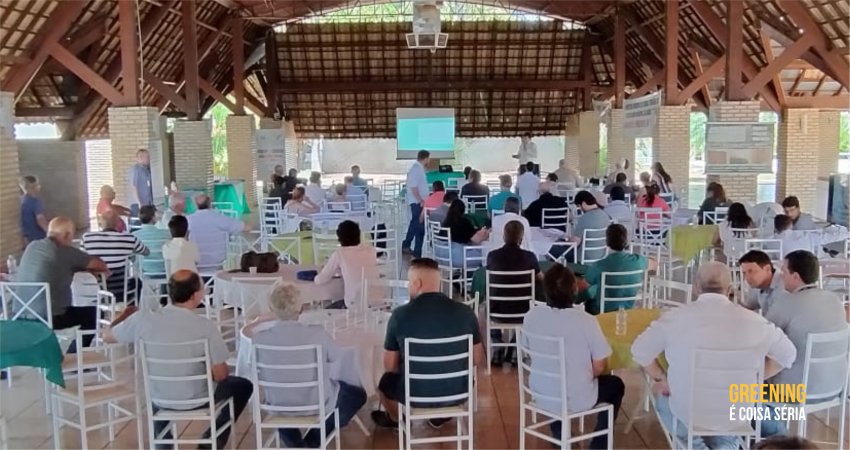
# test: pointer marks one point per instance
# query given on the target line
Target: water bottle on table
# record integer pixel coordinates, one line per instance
(621, 322)
(11, 264)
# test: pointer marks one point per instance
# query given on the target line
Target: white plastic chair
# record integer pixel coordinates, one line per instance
(418, 407)
(359, 202)
(84, 289)
(474, 257)
(324, 244)
(543, 358)
(442, 243)
(253, 293)
(668, 294)
(715, 217)
(607, 289)
(522, 281)
(387, 249)
(475, 202)
(651, 228)
(555, 218)
(593, 246)
(338, 207)
(17, 305)
(270, 362)
(772, 247)
(385, 294)
(158, 367)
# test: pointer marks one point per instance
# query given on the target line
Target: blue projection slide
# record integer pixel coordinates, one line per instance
(433, 134)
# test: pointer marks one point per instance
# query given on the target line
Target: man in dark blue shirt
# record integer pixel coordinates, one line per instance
(33, 221)
(140, 189)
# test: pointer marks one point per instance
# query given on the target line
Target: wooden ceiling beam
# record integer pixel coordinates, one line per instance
(165, 90)
(237, 46)
(839, 67)
(619, 57)
(60, 21)
(776, 65)
(812, 60)
(671, 52)
(841, 101)
(129, 49)
(190, 59)
(50, 111)
(734, 50)
(655, 45)
(211, 90)
(769, 56)
(254, 105)
(85, 73)
(706, 93)
(85, 36)
(586, 69)
(652, 83)
(425, 86)
(701, 82)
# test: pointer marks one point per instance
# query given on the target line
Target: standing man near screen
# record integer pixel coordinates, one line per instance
(416, 190)
(527, 151)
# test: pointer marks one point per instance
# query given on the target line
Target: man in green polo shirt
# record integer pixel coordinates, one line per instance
(618, 260)
(429, 315)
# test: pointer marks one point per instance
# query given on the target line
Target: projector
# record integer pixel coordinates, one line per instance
(426, 26)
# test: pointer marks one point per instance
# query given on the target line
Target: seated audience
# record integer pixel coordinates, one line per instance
(211, 230)
(618, 208)
(731, 233)
(617, 260)
(764, 281)
(620, 182)
(791, 239)
(54, 260)
(497, 201)
(621, 166)
(435, 198)
(715, 197)
(285, 303)
(592, 218)
(289, 182)
(314, 191)
(115, 249)
(463, 232)
(176, 207)
(510, 258)
(33, 220)
(645, 181)
(467, 171)
(474, 186)
(512, 214)
(439, 213)
(804, 310)
(527, 184)
(652, 199)
(337, 193)
(179, 323)
(567, 176)
(801, 220)
(428, 315)
(711, 322)
(300, 204)
(180, 253)
(586, 353)
(104, 205)
(153, 238)
(356, 180)
(534, 210)
(354, 261)
(551, 183)
(662, 178)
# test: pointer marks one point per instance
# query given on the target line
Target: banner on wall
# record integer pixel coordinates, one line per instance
(640, 115)
(738, 147)
(270, 151)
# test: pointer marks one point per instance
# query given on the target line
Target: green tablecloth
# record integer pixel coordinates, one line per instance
(686, 241)
(30, 343)
(232, 191)
(637, 320)
(479, 280)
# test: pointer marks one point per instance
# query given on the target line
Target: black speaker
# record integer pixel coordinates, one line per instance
(446, 168)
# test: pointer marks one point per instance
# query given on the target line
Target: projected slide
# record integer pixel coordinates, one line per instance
(431, 129)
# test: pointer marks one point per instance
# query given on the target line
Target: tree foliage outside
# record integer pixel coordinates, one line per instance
(698, 120)
(219, 114)
(844, 132)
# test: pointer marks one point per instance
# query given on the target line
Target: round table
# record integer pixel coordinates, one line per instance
(30, 343)
(637, 320)
(227, 291)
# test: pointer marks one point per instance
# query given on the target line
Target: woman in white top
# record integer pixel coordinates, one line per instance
(586, 354)
(314, 189)
(300, 204)
(354, 262)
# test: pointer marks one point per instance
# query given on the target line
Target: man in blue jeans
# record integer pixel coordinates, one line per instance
(415, 192)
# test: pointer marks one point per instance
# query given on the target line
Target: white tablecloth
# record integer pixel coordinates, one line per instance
(542, 240)
(227, 292)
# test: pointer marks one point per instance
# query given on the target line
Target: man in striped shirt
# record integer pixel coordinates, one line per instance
(114, 248)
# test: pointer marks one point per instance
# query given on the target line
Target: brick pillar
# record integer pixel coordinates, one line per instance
(290, 146)
(193, 158)
(99, 170)
(242, 153)
(132, 128)
(572, 144)
(671, 146)
(799, 133)
(744, 186)
(619, 146)
(581, 144)
(11, 242)
(830, 123)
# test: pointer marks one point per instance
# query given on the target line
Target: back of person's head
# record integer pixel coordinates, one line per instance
(423, 276)
(522, 170)
(450, 197)
(108, 220)
(422, 155)
(659, 169)
(505, 181)
(527, 134)
(514, 232)
(529, 166)
(182, 286)
(475, 176)
(584, 197)
(339, 188)
(620, 178)
(616, 237)
(61, 228)
(298, 192)
(782, 223)
(178, 226)
(466, 171)
(177, 203)
(455, 213)
(791, 202)
(738, 217)
(562, 162)
(293, 172)
(713, 277)
(348, 233)
(618, 193)
(438, 186)
(782, 442)
(28, 182)
(652, 191)
(202, 201)
(645, 178)
(512, 205)
(756, 257)
(285, 300)
(107, 192)
(559, 284)
(805, 264)
(315, 177)
(552, 177)
(147, 214)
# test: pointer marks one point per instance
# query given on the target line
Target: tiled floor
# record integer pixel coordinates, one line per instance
(496, 423)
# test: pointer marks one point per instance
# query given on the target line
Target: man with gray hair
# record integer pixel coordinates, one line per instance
(712, 322)
(211, 230)
(567, 176)
(285, 303)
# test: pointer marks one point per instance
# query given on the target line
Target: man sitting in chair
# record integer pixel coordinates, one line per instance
(429, 315)
(617, 260)
(713, 322)
(115, 248)
(354, 262)
(178, 323)
(285, 303)
(512, 214)
(210, 230)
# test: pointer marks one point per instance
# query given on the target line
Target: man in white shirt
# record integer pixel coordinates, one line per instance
(527, 184)
(617, 209)
(527, 150)
(567, 176)
(180, 253)
(176, 207)
(497, 232)
(416, 189)
(710, 322)
(179, 323)
(211, 230)
(354, 261)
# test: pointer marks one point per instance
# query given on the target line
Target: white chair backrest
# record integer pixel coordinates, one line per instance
(665, 293)
(475, 202)
(494, 185)
(554, 218)
(387, 249)
(338, 206)
(84, 289)
(324, 244)
(327, 221)
(442, 242)
(712, 372)
(253, 294)
(359, 202)
(593, 247)
(177, 375)
(509, 287)
(26, 301)
(715, 217)
(772, 247)
(281, 373)
(827, 362)
(385, 293)
(496, 212)
(542, 358)
(619, 287)
(422, 367)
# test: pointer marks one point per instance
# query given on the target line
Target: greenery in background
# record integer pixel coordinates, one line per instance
(844, 132)
(451, 10)
(219, 114)
(698, 121)
(602, 159)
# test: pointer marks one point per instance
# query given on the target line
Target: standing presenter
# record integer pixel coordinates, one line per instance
(527, 152)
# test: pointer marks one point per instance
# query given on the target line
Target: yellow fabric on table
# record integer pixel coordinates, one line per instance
(306, 256)
(686, 241)
(637, 320)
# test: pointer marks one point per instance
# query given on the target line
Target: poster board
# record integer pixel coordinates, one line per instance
(738, 147)
(640, 115)
(270, 151)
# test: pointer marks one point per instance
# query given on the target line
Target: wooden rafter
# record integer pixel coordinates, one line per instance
(671, 52)
(45, 111)
(165, 90)
(256, 106)
(797, 81)
(701, 82)
(619, 58)
(774, 67)
(129, 44)
(237, 45)
(837, 65)
(841, 101)
(706, 94)
(85, 73)
(657, 48)
(652, 83)
(768, 54)
(734, 50)
(779, 32)
(424, 86)
(190, 59)
(211, 90)
(85, 36)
